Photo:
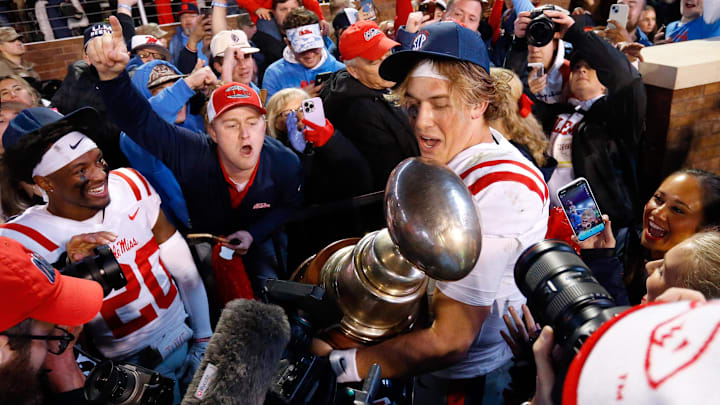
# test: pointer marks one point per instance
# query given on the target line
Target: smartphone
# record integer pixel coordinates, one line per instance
(313, 111)
(428, 9)
(619, 13)
(322, 77)
(205, 11)
(367, 7)
(581, 209)
(540, 69)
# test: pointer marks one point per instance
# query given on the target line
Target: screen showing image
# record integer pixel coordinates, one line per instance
(581, 210)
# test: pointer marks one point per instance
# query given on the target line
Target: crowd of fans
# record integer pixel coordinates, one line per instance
(192, 155)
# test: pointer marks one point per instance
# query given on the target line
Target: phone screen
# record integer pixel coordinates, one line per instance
(581, 209)
(367, 7)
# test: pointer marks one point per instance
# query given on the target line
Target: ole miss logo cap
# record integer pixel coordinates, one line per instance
(231, 95)
(445, 40)
(365, 39)
(31, 288)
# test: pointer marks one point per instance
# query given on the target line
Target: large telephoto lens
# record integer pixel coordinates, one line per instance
(562, 292)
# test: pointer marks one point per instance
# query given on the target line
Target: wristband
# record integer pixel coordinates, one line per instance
(344, 365)
(125, 6)
(218, 4)
(201, 340)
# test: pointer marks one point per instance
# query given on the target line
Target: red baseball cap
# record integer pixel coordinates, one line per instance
(365, 39)
(231, 95)
(31, 288)
(187, 7)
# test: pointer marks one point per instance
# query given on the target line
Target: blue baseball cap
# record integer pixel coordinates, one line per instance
(95, 31)
(33, 119)
(444, 40)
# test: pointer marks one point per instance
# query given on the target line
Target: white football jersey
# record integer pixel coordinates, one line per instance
(149, 306)
(512, 200)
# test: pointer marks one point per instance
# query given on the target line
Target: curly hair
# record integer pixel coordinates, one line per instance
(300, 17)
(470, 84)
(523, 130)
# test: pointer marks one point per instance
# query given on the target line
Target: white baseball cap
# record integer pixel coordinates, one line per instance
(226, 39)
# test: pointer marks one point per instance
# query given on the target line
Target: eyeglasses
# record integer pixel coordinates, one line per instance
(148, 55)
(285, 113)
(57, 343)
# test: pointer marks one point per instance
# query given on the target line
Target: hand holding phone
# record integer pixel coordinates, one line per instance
(618, 13)
(313, 111)
(581, 208)
(322, 78)
(539, 72)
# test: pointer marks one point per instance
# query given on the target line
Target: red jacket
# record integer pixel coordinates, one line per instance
(252, 5)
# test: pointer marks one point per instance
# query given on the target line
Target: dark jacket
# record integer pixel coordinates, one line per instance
(605, 143)
(193, 158)
(378, 129)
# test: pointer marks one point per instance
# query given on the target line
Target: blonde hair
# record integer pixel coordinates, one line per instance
(469, 83)
(703, 267)
(277, 102)
(22, 82)
(523, 130)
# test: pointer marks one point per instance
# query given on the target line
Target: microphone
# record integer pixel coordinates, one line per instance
(242, 355)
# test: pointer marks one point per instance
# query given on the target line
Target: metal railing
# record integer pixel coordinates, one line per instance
(41, 20)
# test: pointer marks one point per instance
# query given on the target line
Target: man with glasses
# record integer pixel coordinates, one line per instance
(42, 315)
(148, 48)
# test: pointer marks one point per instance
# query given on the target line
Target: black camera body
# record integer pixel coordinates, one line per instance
(541, 29)
(128, 384)
(103, 268)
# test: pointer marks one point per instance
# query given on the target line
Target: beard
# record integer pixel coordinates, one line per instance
(18, 384)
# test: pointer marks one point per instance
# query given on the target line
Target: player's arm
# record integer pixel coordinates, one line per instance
(176, 257)
(447, 341)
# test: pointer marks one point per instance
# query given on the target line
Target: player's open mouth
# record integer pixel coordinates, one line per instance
(655, 231)
(246, 150)
(428, 143)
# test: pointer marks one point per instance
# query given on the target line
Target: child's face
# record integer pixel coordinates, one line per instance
(691, 9)
(647, 21)
(668, 271)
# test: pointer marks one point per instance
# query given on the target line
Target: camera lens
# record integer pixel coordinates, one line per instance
(540, 31)
(102, 268)
(562, 292)
(109, 384)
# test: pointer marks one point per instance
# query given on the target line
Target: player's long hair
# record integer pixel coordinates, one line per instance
(526, 131)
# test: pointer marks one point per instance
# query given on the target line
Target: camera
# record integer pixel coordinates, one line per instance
(541, 29)
(128, 384)
(102, 267)
(308, 106)
(561, 292)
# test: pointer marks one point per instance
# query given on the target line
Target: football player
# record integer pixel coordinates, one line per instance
(145, 322)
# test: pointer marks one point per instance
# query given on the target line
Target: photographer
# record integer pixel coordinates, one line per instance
(36, 300)
(596, 133)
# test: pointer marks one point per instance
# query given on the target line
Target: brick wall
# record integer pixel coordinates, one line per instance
(683, 130)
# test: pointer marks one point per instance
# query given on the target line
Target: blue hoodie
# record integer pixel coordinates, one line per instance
(167, 104)
(287, 72)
